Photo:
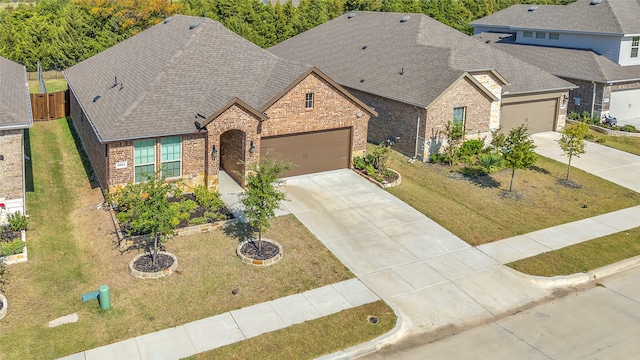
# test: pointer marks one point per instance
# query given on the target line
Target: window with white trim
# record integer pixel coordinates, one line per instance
(144, 159)
(308, 101)
(541, 35)
(527, 34)
(459, 114)
(635, 43)
(171, 154)
(554, 36)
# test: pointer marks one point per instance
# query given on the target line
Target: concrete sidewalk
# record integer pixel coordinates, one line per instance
(237, 325)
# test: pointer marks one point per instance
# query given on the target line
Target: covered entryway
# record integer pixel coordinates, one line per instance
(625, 106)
(232, 144)
(310, 152)
(538, 114)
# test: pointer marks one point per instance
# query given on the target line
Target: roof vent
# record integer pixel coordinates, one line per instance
(595, 2)
(361, 80)
(194, 25)
(533, 8)
(405, 18)
(351, 15)
(364, 47)
(167, 19)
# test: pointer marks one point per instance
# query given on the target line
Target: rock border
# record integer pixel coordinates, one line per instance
(17, 258)
(381, 185)
(5, 306)
(254, 262)
(153, 275)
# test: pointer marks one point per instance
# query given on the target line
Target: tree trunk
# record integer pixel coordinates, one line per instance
(569, 168)
(259, 241)
(155, 249)
(513, 173)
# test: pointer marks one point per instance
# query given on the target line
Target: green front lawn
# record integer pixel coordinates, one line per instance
(623, 143)
(583, 257)
(73, 250)
(475, 210)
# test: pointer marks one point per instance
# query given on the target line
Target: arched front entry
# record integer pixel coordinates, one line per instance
(232, 153)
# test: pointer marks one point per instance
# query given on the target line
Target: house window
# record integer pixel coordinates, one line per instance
(635, 43)
(554, 36)
(144, 159)
(308, 102)
(541, 35)
(170, 156)
(459, 115)
(527, 34)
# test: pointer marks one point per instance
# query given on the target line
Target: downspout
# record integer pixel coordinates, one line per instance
(593, 98)
(415, 154)
(206, 159)
(24, 176)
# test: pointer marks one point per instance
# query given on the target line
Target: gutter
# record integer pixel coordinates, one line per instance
(540, 91)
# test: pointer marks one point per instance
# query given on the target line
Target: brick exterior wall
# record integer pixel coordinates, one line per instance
(603, 95)
(477, 114)
(287, 115)
(95, 150)
(11, 172)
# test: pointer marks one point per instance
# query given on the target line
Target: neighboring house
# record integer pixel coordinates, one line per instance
(419, 74)
(15, 117)
(606, 29)
(187, 97)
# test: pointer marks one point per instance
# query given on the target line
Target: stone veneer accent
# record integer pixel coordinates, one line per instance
(11, 172)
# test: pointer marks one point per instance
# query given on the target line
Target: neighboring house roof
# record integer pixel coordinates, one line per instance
(412, 61)
(170, 73)
(15, 102)
(568, 63)
(606, 16)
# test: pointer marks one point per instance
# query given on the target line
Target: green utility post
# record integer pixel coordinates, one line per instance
(104, 298)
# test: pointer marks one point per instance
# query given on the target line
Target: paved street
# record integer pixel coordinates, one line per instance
(600, 323)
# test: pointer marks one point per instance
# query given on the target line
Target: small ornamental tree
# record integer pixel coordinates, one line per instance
(572, 141)
(262, 196)
(518, 151)
(454, 133)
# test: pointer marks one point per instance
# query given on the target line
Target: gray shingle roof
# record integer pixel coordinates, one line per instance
(15, 103)
(568, 63)
(430, 55)
(169, 72)
(609, 17)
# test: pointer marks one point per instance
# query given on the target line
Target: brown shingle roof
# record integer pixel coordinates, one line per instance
(430, 56)
(609, 17)
(169, 73)
(15, 103)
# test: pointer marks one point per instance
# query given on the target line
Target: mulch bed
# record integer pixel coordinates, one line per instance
(269, 250)
(385, 179)
(8, 235)
(145, 263)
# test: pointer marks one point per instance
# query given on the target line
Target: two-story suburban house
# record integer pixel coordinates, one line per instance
(592, 43)
(15, 117)
(188, 98)
(419, 74)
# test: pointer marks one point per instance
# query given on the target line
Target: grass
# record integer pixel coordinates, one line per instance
(72, 250)
(623, 143)
(474, 209)
(52, 85)
(311, 339)
(583, 257)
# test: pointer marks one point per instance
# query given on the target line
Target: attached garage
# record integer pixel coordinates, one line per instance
(625, 105)
(539, 114)
(311, 152)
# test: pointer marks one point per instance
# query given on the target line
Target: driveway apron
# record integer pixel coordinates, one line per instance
(432, 278)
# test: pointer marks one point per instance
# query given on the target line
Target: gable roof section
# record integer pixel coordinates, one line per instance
(569, 63)
(171, 72)
(411, 62)
(607, 17)
(15, 102)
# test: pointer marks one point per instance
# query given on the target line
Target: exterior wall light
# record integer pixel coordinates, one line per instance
(252, 147)
(214, 151)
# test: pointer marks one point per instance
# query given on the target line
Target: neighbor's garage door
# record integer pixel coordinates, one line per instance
(538, 115)
(625, 104)
(311, 152)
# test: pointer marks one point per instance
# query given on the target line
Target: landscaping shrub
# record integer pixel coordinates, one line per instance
(197, 221)
(359, 163)
(208, 199)
(11, 247)
(490, 162)
(468, 149)
(182, 210)
(589, 137)
(600, 140)
(472, 171)
(17, 221)
(437, 158)
(375, 163)
(629, 128)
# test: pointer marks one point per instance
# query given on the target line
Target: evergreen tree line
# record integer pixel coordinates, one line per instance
(60, 33)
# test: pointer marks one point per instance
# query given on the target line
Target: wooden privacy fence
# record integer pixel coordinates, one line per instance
(50, 106)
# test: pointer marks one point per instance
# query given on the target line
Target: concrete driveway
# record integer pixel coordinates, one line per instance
(614, 165)
(434, 280)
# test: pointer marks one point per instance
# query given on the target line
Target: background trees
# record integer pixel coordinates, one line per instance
(60, 33)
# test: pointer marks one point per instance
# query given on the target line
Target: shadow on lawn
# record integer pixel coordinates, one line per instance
(28, 166)
(239, 230)
(86, 163)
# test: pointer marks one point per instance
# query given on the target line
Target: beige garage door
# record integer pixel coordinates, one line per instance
(311, 152)
(538, 115)
(625, 105)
